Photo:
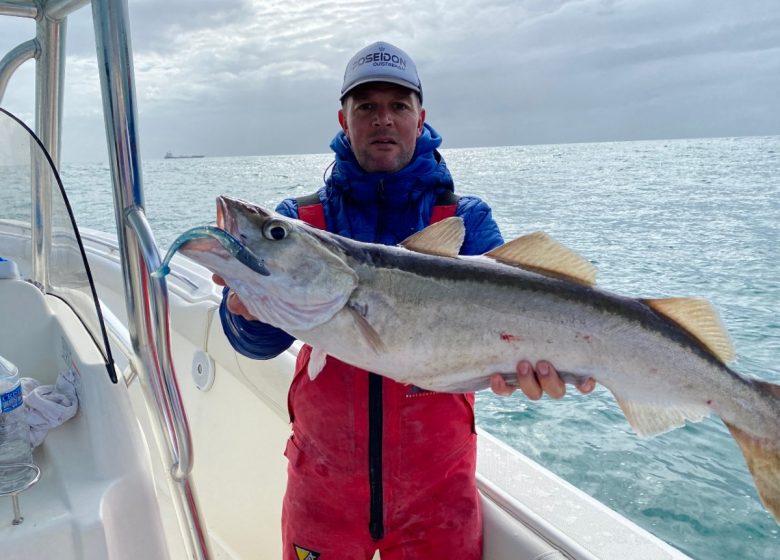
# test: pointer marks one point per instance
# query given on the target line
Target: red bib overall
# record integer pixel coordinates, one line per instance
(376, 464)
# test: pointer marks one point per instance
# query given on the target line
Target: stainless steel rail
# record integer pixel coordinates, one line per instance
(49, 78)
(14, 59)
(166, 387)
(147, 304)
(162, 379)
(54, 9)
(19, 8)
(48, 48)
(60, 9)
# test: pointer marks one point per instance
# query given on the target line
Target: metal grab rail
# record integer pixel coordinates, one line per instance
(20, 10)
(166, 388)
(146, 299)
(162, 380)
(14, 59)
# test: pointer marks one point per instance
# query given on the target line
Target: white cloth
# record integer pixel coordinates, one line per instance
(48, 406)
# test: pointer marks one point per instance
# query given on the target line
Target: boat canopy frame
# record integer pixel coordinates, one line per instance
(146, 297)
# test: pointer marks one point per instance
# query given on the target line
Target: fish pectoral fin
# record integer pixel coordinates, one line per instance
(368, 332)
(652, 419)
(316, 363)
(538, 252)
(700, 319)
(763, 460)
(444, 238)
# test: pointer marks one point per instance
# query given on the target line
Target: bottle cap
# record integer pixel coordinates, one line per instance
(8, 269)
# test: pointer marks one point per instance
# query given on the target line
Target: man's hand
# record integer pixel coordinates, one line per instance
(534, 382)
(234, 303)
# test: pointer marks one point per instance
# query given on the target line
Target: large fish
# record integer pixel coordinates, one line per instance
(421, 314)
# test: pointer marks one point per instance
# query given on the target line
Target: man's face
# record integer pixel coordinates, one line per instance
(382, 122)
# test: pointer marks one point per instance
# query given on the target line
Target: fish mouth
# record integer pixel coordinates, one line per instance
(225, 218)
(227, 209)
(230, 209)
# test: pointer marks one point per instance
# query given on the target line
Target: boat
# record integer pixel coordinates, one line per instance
(176, 448)
(169, 155)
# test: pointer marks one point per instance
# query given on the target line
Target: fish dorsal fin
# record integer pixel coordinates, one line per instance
(538, 252)
(444, 238)
(700, 320)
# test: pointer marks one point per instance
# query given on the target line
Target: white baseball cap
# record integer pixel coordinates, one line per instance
(381, 62)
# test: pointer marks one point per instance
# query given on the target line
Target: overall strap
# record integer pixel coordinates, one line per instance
(311, 211)
(445, 207)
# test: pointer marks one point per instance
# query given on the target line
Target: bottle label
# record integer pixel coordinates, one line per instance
(11, 400)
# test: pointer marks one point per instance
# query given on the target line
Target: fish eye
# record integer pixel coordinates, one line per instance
(275, 230)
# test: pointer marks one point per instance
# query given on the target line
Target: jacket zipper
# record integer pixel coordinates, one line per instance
(375, 523)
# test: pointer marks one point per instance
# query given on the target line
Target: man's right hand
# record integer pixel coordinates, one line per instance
(234, 303)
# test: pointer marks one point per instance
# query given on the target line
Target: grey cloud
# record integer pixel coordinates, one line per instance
(157, 25)
(263, 77)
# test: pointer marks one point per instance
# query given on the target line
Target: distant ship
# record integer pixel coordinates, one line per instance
(169, 155)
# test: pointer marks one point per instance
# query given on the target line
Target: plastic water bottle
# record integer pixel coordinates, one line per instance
(15, 448)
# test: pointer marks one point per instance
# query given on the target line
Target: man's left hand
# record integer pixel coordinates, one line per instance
(535, 381)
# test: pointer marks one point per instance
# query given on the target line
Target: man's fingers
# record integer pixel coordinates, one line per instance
(237, 307)
(527, 382)
(535, 381)
(549, 380)
(232, 301)
(586, 386)
(499, 386)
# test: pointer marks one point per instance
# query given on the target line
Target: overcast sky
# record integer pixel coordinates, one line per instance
(263, 77)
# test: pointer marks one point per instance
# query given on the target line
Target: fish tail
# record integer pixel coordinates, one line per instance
(763, 458)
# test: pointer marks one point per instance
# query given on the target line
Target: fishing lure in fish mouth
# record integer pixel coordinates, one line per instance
(232, 245)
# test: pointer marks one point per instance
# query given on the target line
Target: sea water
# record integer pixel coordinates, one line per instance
(658, 218)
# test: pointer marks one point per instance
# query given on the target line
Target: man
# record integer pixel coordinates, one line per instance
(375, 464)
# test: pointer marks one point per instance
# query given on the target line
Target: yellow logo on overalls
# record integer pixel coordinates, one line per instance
(305, 554)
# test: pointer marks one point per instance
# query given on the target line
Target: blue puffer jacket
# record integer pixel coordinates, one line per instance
(376, 208)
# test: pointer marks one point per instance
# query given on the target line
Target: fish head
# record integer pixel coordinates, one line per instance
(305, 280)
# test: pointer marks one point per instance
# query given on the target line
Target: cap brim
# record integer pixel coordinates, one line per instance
(386, 79)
